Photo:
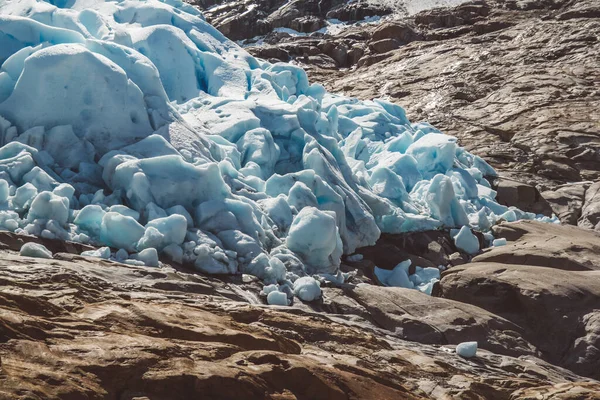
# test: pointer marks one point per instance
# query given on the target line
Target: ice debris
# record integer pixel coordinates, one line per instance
(37, 250)
(466, 349)
(499, 242)
(307, 288)
(466, 241)
(422, 279)
(277, 298)
(139, 126)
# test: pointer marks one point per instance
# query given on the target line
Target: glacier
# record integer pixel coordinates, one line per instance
(136, 125)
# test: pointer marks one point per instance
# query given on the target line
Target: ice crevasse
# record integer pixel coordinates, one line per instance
(137, 125)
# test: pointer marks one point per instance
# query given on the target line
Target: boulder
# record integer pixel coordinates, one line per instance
(401, 32)
(384, 45)
(590, 213)
(521, 195)
(567, 201)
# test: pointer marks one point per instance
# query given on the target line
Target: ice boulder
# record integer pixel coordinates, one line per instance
(434, 153)
(277, 298)
(315, 237)
(103, 252)
(37, 250)
(307, 288)
(499, 242)
(47, 205)
(120, 231)
(95, 96)
(466, 241)
(397, 277)
(148, 256)
(466, 349)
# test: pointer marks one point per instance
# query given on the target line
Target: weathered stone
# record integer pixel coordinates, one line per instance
(566, 201)
(522, 196)
(402, 33)
(590, 213)
(545, 245)
(558, 309)
(85, 328)
(384, 45)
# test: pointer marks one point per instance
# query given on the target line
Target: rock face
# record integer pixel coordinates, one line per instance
(546, 280)
(84, 328)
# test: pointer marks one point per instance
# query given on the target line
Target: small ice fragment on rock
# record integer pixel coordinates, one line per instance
(277, 298)
(466, 241)
(35, 250)
(307, 288)
(467, 349)
(148, 256)
(499, 242)
(355, 258)
(102, 252)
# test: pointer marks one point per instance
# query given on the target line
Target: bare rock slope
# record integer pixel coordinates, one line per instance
(82, 328)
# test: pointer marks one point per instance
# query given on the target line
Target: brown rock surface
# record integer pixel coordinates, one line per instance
(558, 309)
(546, 280)
(76, 328)
(545, 245)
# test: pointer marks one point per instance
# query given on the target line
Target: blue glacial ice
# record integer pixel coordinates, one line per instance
(137, 125)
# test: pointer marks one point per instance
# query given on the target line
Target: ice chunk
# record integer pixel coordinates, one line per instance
(120, 231)
(47, 205)
(148, 256)
(4, 191)
(307, 288)
(315, 237)
(398, 277)
(103, 252)
(166, 231)
(89, 218)
(466, 241)
(434, 153)
(499, 242)
(466, 349)
(354, 257)
(277, 298)
(32, 249)
(94, 94)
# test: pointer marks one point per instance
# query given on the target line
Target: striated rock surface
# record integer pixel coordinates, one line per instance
(546, 280)
(83, 328)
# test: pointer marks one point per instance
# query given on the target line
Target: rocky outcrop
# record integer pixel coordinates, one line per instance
(556, 308)
(84, 328)
(546, 280)
(545, 245)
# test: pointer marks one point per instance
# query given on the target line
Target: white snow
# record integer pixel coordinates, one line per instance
(32, 249)
(138, 126)
(466, 349)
